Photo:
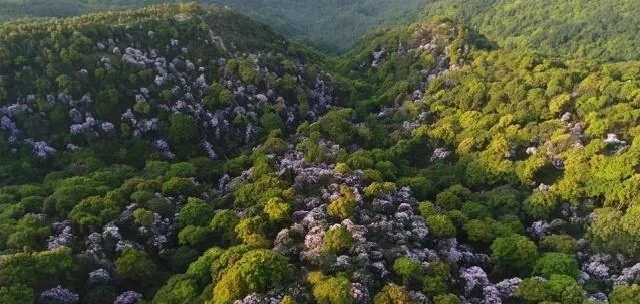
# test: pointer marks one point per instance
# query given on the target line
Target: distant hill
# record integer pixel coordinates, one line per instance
(15, 9)
(329, 25)
(607, 30)
(603, 30)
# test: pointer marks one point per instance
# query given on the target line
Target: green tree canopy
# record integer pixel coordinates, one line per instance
(513, 254)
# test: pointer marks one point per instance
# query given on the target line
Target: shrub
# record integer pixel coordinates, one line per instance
(408, 269)
(344, 206)
(393, 294)
(556, 263)
(337, 240)
(256, 271)
(277, 209)
(559, 243)
(334, 290)
(513, 254)
(441, 226)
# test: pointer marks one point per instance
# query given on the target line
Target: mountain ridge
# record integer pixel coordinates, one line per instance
(578, 29)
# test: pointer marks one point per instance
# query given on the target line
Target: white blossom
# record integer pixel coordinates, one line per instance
(440, 153)
(60, 295)
(612, 139)
(208, 147)
(99, 276)
(508, 287)
(491, 295)
(474, 276)
(107, 127)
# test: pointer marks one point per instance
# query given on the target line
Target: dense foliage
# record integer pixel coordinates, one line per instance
(600, 30)
(16, 9)
(329, 25)
(181, 154)
(568, 29)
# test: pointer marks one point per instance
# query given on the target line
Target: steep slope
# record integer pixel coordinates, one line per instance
(506, 144)
(162, 79)
(391, 60)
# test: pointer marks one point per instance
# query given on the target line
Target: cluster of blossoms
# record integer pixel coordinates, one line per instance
(474, 277)
(381, 227)
(491, 295)
(163, 146)
(123, 232)
(208, 147)
(539, 229)
(62, 235)
(145, 126)
(99, 276)
(159, 232)
(59, 294)
(187, 83)
(360, 293)
(128, 297)
(107, 127)
(612, 139)
(128, 116)
(597, 267)
(94, 246)
(7, 124)
(629, 275)
(40, 148)
(136, 58)
(254, 299)
(76, 116)
(98, 243)
(83, 128)
(440, 153)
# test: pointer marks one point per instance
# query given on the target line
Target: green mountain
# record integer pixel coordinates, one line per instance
(187, 154)
(602, 30)
(132, 62)
(16, 9)
(569, 29)
(329, 25)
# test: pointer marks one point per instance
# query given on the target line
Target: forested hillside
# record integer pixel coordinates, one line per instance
(187, 154)
(16, 9)
(600, 30)
(329, 25)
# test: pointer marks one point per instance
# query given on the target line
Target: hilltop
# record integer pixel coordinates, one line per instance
(605, 31)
